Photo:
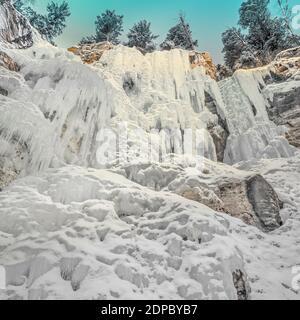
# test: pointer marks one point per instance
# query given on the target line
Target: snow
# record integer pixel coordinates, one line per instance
(145, 244)
(97, 233)
(279, 251)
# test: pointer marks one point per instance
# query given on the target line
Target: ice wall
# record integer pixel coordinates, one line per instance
(58, 107)
(252, 134)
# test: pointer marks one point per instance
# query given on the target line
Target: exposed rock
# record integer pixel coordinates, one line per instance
(203, 59)
(241, 284)
(286, 106)
(283, 91)
(3, 92)
(6, 177)
(293, 135)
(265, 202)
(236, 203)
(223, 72)
(253, 201)
(14, 162)
(220, 132)
(290, 53)
(15, 30)
(7, 62)
(285, 110)
(248, 206)
(247, 197)
(219, 135)
(92, 52)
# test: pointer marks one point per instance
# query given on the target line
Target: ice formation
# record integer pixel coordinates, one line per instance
(74, 226)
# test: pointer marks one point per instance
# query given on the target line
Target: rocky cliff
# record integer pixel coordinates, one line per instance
(284, 95)
(138, 175)
(15, 31)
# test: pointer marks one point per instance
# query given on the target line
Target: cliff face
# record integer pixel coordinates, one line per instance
(150, 217)
(91, 53)
(283, 92)
(204, 60)
(15, 31)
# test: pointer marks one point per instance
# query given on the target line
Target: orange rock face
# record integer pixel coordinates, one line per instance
(91, 53)
(7, 62)
(203, 59)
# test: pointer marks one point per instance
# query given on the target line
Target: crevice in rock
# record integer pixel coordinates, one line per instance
(3, 92)
(242, 287)
(129, 85)
(219, 133)
(194, 102)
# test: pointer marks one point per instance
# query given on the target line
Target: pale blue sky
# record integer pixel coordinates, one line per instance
(208, 18)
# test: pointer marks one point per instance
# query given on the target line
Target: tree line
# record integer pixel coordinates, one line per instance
(255, 41)
(258, 37)
(108, 27)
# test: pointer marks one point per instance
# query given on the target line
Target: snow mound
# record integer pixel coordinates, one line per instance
(84, 233)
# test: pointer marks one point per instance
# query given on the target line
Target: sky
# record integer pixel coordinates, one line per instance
(208, 18)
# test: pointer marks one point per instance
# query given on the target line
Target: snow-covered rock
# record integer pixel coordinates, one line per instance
(241, 194)
(91, 53)
(137, 243)
(15, 31)
(7, 62)
(283, 93)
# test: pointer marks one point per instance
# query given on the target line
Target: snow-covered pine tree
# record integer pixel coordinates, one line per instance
(180, 36)
(262, 37)
(87, 40)
(109, 27)
(236, 49)
(140, 36)
(49, 25)
(56, 18)
(292, 39)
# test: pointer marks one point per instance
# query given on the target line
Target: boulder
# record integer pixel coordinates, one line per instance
(265, 202)
(7, 62)
(242, 195)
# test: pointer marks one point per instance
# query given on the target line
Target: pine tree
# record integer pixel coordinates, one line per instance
(87, 40)
(180, 36)
(56, 19)
(253, 13)
(49, 25)
(109, 27)
(261, 39)
(234, 44)
(286, 13)
(140, 36)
